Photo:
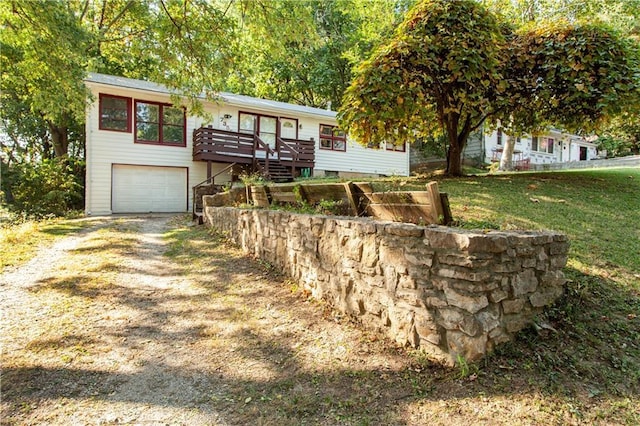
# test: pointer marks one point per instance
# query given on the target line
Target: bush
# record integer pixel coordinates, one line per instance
(49, 188)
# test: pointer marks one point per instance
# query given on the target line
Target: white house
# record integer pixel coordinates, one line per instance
(145, 154)
(552, 147)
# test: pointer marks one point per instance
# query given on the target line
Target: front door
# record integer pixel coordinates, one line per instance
(583, 153)
(288, 128)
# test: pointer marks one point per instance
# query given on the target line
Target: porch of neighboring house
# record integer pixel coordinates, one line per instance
(281, 160)
(519, 163)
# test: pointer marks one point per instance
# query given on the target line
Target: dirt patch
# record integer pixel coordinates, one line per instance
(150, 320)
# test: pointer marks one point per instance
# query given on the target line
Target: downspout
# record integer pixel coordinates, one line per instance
(483, 146)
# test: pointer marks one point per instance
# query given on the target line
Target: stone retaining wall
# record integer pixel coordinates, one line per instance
(448, 291)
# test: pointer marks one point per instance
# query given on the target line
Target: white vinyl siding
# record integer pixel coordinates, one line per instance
(356, 159)
(106, 148)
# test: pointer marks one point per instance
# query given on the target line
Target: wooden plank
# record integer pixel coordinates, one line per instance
(359, 189)
(446, 208)
(315, 193)
(223, 158)
(259, 196)
(399, 197)
(283, 197)
(364, 187)
(432, 187)
(410, 213)
(348, 187)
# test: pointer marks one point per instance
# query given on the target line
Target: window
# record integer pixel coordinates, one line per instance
(542, 144)
(400, 146)
(115, 113)
(372, 145)
(247, 123)
(267, 126)
(499, 137)
(332, 138)
(160, 124)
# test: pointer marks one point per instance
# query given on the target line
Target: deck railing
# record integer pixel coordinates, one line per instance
(211, 144)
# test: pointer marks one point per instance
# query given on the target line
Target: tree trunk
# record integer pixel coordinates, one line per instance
(454, 162)
(60, 139)
(457, 142)
(506, 161)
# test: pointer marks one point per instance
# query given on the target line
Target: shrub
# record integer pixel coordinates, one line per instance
(48, 188)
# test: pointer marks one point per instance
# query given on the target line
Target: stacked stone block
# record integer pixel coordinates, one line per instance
(449, 291)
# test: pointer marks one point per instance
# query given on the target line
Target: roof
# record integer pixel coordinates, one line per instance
(229, 98)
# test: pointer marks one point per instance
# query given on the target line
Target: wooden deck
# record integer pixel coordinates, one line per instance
(225, 146)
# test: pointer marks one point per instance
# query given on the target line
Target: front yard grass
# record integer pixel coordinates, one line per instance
(20, 241)
(589, 348)
(580, 364)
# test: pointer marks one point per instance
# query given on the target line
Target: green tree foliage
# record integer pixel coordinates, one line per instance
(49, 187)
(620, 15)
(441, 70)
(454, 65)
(41, 55)
(622, 135)
(575, 76)
(304, 52)
(47, 48)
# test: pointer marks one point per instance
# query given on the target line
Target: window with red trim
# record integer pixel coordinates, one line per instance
(115, 113)
(400, 147)
(332, 138)
(158, 123)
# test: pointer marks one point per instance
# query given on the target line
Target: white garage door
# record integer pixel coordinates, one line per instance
(143, 189)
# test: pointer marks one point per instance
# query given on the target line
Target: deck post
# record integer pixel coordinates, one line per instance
(208, 169)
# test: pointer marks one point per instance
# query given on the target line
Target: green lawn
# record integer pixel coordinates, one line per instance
(584, 364)
(596, 349)
(598, 209)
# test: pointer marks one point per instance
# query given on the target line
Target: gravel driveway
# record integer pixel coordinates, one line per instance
(148, 320)
(100, 356)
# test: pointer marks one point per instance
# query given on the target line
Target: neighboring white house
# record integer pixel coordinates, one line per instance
(552, 147)
(141, 155)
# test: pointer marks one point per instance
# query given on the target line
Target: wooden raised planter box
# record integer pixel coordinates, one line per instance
(358, 199)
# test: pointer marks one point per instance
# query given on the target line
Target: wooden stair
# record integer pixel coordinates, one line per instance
(276, 172)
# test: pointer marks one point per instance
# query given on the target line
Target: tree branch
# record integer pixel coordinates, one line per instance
(117, 18)
(84, 10)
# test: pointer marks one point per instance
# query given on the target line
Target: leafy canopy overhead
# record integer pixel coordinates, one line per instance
(443, 63)
(573, 76)
(451, 65)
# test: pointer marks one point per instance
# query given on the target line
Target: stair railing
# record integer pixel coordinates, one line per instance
(260, 144)
(210, 181)
(295, 154)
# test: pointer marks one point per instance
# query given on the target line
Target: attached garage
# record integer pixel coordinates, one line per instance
(144, 189)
